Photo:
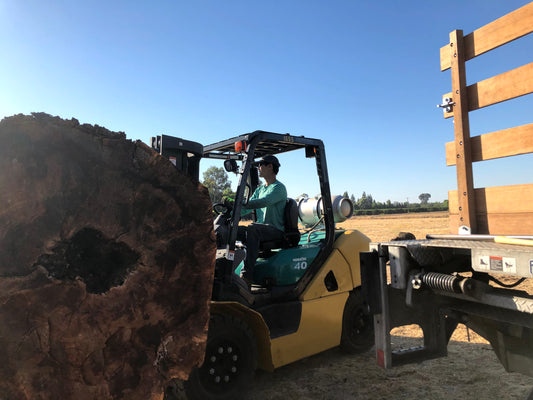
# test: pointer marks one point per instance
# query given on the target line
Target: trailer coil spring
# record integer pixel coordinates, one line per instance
(448, 283)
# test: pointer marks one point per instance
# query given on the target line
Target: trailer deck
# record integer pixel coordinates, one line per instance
(486, 255)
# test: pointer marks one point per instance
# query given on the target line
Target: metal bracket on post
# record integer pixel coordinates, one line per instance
(447, 104)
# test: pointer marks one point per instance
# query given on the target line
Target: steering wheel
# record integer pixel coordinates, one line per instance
(221, 208)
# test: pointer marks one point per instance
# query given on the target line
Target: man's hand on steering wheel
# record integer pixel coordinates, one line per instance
(228, 202)
(225, 207)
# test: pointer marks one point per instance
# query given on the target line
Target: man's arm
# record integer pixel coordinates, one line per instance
(272, 196)
(245, 210)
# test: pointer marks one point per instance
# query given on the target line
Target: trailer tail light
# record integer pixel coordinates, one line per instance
(240, 146)
(380, 355)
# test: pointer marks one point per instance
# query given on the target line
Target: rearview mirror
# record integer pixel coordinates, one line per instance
(230, 166)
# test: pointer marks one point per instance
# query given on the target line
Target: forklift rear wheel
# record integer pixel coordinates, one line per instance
(357, 325)
(229, 364)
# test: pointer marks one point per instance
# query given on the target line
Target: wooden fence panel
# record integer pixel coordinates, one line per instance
(506, 210)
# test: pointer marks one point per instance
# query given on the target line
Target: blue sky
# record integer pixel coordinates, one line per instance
(363, 76)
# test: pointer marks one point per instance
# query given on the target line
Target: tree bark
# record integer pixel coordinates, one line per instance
(106, 264)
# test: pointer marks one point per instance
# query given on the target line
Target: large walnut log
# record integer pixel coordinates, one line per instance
(106, 264)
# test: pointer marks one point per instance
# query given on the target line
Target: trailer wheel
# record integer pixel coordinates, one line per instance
(229, 364)
(357, 325)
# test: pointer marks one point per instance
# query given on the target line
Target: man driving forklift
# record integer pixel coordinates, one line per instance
(269, 201)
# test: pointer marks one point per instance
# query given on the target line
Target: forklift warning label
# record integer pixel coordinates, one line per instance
(499, 264)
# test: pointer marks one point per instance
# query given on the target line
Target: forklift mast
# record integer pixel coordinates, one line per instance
(184, 154)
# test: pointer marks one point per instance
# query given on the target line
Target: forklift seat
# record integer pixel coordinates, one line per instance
(292, 234)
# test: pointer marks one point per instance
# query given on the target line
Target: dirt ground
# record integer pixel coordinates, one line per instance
(471, 370)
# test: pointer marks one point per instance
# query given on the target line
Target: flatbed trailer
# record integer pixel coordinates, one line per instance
(473, 276)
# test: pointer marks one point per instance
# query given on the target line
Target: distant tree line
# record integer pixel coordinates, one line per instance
(217, 182)
(366, 205)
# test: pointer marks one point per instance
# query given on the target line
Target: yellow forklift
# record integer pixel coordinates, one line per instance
(306, 294)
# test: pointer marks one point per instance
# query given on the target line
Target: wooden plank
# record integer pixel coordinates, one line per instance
(505, 210)
(497, 224)
(504, 143)
(465, 179)
(495, 34)
(509, 240)
(499, 199)
(509, 85)
(505, 199)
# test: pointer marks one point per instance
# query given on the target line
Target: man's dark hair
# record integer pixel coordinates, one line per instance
(268, 159)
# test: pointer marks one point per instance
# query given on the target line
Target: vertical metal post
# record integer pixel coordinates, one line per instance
(465, 179)
(382, 321)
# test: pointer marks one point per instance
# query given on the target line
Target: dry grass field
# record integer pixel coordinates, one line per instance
(382, 228)
(471, 370)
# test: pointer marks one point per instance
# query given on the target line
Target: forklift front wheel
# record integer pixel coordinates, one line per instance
(357, 325)
(229, 364)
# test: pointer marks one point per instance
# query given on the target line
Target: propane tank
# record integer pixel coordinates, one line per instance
(311, 210)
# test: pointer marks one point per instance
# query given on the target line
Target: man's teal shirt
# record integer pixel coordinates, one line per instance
(269, 203)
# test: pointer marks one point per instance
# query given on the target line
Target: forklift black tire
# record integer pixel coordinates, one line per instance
(357, 325)
(229, 364)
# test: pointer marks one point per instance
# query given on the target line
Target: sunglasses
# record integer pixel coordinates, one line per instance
(262, 163)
